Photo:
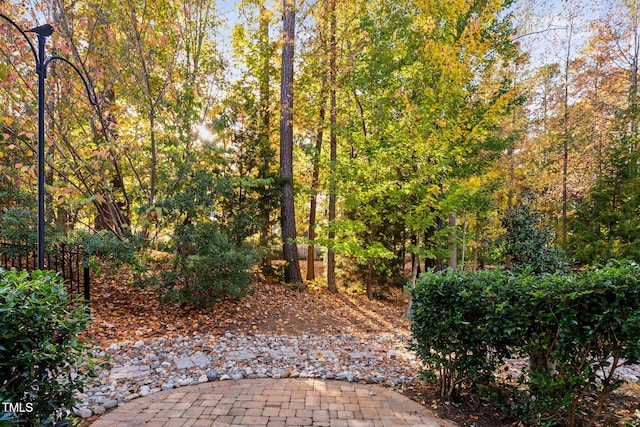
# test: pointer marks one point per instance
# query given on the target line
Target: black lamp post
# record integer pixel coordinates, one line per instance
(44, 31)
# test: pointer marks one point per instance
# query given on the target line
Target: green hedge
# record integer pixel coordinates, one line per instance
(576, 329)
(39, 348)
(207, 266)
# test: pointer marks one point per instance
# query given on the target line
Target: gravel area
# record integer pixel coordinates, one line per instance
(139, 368)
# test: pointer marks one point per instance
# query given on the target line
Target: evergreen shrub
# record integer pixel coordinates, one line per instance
(576, 329)
(207, 266)
(41, 354)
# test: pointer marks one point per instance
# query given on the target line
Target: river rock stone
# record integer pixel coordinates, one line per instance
(110, 404)
(82, 412)
(98, 410)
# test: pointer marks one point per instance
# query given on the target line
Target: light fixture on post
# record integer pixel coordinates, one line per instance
(44, 31)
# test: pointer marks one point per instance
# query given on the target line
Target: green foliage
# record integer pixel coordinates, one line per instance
(606, 224)
(108, 247)
(423, 120)
(18, 225)
(207, 258)
(191, 201)
(207, 266)
(576, 329)
(528, 241)
(40, 352)
(235, 200)
(452, 329)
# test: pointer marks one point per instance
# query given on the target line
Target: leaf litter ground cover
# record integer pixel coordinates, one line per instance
(124, 313)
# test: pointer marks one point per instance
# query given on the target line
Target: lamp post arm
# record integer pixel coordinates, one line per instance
(92, 98)
(44, 31)
(33, 48)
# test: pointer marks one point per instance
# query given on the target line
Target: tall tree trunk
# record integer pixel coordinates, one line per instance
(476, 244)
(453, 244)
(415, 270)
(370, 279)
(154, 157)
(508, 262)
(149, 98)
(565, 156)
(266, 206)
(315, 180)
(288, 213)
(633, 87)
(464, 243)
(331, 264)
(565, 132)
(510, 155)
(430, 241)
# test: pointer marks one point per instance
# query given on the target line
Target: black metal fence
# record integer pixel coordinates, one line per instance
(64, 259)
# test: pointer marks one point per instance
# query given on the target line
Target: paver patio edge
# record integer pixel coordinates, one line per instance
(273, 402)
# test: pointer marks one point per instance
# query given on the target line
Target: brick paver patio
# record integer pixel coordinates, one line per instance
(269, 402)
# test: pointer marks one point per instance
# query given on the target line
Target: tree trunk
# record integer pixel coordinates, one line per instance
(415, 270)
(566, 136)
(453, 244)
(476, 244)
(154, 158)
(510, 153)
(266, 152)
(464, 244)
(565, 168)
(314, 187)
(633, 87)
(370, 279)
(287, 214)
(331, 266)
(315, 180)
(430, 241)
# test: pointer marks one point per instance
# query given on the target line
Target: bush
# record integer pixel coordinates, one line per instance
(576, 329)
(528, 241)
(18, 226)
(207, 266)
(39, 347)
(452, 329)
(106, 246)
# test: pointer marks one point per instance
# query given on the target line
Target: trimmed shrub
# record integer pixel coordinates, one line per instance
(452, 331)
(207, 266)
(576, 329)
(40, 351)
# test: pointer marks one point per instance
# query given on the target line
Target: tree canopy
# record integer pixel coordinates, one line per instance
(369, 132)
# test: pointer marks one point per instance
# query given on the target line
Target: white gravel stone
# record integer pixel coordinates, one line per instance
(165, 363)
(185, 382)
(98, 410)
(82, 412)
(110, 404)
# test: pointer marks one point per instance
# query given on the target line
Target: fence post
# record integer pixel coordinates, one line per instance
(87, 278)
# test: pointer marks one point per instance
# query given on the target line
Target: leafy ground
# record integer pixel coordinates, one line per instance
(124, 312)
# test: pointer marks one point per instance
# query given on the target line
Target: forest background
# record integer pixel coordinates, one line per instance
(460, 133)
